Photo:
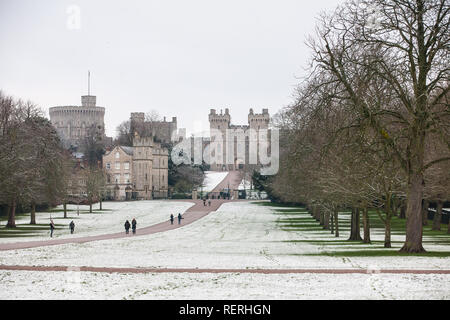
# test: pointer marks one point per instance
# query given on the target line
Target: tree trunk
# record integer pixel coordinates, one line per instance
(426, 205)
(355, 233)
(33, 213)
(317, 213)
(65, 210)
(448, 226)
(331, 221)
(437, 217)
(326, 220)
(366, 224)
(101, 204)
(414, 228)
(403, 212)
(387, 232)
(336, 221)
(90, 206)
(12, 215)
(321, 218)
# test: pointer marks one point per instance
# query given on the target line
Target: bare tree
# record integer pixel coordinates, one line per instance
(406, 47)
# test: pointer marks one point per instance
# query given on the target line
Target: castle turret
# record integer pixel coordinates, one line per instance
(137, 116)
(259, 120)
(219, 121)
(88, 101)
(142, 166)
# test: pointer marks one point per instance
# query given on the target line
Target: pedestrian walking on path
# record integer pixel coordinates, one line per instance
(133, 225)
(72, 227)
(179, 218)
(52, 227)
(209, 203)
(127, 227)
(171, 219)
(204, 202)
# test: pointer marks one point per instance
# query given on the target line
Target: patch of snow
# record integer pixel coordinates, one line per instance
(110, 220)
(237, 235)
(239, 286)
(212, 179)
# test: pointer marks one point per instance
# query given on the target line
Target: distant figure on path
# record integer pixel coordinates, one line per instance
(52, 227)
(133, 225)
(127, 227)
(171, 219)
(72, 226)
(209, 202)
(179, 218)
(204, 202)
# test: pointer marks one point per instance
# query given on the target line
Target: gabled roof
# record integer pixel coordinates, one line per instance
(127, 150)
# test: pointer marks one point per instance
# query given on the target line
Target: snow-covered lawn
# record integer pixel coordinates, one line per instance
(238, 235)
(110, 220)
(90, 285)
(212, 179)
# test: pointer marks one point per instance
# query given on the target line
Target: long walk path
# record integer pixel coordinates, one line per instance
(197, 211)
(200, 270)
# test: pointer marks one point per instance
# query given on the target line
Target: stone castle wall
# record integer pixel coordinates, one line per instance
(73, 123)
(222, 122)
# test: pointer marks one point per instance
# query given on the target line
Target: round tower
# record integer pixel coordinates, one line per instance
(74, 123)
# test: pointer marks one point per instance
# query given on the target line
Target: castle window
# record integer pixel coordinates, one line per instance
(117, 178)
(127, 166)
(117, 165)
(117, 155)
(127, 177)
(108, 166)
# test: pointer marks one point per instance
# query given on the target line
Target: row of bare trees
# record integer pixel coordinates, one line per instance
(370, 127)
(35, 170)
(32, 163)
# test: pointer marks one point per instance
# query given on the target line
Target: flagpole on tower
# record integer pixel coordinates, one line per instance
(89, 83)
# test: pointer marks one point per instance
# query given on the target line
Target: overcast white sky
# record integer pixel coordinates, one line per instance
(180, 58)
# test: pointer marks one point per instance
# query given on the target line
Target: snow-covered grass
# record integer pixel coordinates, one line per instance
(238, 235)
(212, 179)
(90, 285)
(110, 220)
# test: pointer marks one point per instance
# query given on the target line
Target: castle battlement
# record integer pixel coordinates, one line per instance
(221, 118)
(256, 121)
(73, 123)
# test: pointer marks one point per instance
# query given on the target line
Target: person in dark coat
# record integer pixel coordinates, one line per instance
(204, 202)
(171, 219)
(133, 225)
(127, 227)
(72, 226)
(52, 227)
(179, 218)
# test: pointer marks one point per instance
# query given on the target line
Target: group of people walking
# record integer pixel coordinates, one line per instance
(127, 225)
(132, 225)
(52, 227)
(179, 218)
